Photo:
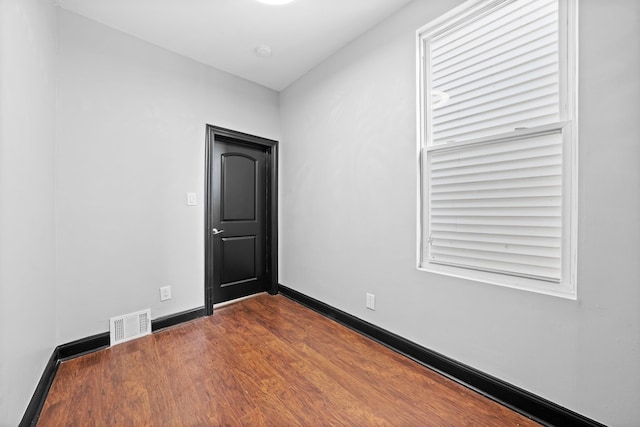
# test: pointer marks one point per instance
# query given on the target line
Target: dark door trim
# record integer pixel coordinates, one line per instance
(271, 149)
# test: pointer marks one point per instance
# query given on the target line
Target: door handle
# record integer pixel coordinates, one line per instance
(216, 231)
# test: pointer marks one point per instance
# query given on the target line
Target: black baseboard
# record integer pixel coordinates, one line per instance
(84, 346)
(515, 398)
(175, 319)
(30, 417)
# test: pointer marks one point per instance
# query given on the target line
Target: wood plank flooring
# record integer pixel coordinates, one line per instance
(264, 361)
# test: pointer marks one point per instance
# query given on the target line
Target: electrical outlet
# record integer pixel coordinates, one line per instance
(165, 293)
(371, 301)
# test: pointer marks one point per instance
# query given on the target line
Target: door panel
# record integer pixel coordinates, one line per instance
(238, 187)
(238, 260)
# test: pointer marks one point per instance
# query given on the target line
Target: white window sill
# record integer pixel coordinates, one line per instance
(562, 289)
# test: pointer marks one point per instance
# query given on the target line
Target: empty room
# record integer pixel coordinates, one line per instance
(320, 212)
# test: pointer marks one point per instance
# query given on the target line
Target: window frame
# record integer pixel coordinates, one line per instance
(568, 48)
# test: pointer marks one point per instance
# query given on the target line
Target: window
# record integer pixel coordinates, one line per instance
(498, 144)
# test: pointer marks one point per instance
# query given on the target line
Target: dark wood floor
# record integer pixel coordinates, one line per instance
(262, 361)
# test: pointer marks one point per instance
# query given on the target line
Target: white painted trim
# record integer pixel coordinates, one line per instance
(562, 290)
(419, 136)
(572, 86)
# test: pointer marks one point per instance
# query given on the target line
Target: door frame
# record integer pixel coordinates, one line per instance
(270, 147)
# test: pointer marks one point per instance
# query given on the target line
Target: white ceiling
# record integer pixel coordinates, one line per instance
(225, 33)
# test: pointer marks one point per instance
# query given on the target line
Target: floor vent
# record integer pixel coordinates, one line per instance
(130, 326)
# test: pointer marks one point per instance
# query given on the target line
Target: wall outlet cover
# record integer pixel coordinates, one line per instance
(371, 301)
(165, 293)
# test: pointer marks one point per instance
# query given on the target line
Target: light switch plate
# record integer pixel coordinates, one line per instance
(192, 199)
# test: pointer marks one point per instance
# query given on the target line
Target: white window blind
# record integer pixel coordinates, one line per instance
(496, 72)
(498, 206)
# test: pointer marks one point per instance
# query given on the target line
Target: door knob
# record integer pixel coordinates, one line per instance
(216, 231)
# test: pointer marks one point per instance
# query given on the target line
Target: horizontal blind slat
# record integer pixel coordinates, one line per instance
(516, 202)
(524, 260)
(543, 151)
(506, 221)
(501, 267)
(498, 212)
(545, 254)
(479, 186)
(506, 193)
(555, 171)
(521, 165)
(498, 230)
(505, 239)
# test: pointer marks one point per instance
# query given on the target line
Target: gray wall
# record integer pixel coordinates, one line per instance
(27, 261)
(348, 214)
(130, 145)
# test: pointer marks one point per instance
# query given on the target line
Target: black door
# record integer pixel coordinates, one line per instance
(239, 223)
